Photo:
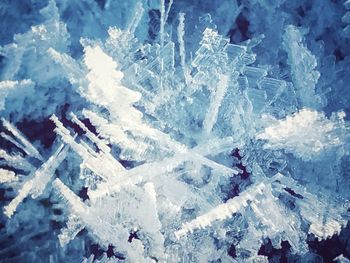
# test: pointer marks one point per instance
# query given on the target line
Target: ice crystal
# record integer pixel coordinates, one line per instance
(174, 131)
(319, 134)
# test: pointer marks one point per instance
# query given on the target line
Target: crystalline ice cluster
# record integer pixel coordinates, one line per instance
(174, 131)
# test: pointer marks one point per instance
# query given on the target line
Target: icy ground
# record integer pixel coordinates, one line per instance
(174, 131)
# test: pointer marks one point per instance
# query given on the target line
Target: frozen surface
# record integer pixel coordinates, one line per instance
(174, 131)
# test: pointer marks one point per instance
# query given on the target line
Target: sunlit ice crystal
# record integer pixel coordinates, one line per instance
(320, 134)
(174, 131)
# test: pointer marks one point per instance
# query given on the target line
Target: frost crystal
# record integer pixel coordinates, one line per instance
(174, 131)
(319, 134)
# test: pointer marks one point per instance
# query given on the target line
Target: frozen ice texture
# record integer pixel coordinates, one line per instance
(174, 131)
(319, 134)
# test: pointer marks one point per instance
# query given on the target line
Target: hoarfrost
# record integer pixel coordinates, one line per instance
(144, 131)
